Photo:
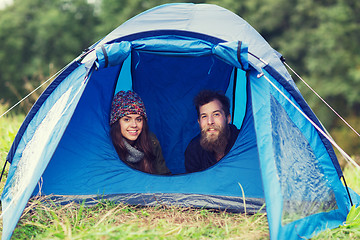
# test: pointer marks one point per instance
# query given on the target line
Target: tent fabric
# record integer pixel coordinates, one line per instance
(235, 53)
(36, 146)
(215, 202)
(300, 187)
(306, 109)
(167, 55)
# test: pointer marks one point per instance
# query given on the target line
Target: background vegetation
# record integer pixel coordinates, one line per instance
(318, 38)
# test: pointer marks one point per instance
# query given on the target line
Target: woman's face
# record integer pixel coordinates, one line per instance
(131, 126)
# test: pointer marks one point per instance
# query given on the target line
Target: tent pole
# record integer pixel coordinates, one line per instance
(347, 189)
(233, 96)
(2, 173)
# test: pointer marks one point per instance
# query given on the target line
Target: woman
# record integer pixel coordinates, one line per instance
(134, 143)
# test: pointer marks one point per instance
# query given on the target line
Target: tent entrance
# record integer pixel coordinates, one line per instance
(167, 84)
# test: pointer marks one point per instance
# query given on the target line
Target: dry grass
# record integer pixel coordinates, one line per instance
(107, 220)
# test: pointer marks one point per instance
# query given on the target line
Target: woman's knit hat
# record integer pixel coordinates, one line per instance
(125, 103)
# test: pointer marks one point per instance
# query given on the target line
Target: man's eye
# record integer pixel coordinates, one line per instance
(216, 114)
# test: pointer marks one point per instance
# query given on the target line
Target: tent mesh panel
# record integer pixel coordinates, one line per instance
(305, 189)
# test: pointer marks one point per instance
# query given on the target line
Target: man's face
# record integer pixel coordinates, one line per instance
(212, 120)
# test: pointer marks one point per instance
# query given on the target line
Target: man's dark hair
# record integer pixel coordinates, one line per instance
(206, 96)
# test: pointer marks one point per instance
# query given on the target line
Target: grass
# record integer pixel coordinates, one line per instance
(9, 125)
(107, 220)
(352, 177)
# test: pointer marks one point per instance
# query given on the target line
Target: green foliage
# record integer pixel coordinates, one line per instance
(347, 139)
(350, 229)
(38, 38)
(43, 219)
(352, 176)
(9, 125)
(353, 218)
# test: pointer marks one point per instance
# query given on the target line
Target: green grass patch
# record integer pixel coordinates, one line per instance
(9, 126)
(352, 177)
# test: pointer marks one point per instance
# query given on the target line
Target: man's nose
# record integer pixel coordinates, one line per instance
(210, 120)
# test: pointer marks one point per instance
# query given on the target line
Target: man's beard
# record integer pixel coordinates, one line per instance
(212, 143)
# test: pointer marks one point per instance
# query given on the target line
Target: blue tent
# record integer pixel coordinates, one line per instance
(167, 55)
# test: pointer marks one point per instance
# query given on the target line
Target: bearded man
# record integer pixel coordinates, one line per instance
(217, 134)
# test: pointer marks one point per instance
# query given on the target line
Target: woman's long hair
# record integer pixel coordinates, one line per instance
(142, 143)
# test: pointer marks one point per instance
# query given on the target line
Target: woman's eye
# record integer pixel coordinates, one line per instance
(139, 119)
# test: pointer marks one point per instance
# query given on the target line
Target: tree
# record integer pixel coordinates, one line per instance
(38, 38)
(320, 40)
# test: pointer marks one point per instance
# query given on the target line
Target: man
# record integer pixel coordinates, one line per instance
(217, 134)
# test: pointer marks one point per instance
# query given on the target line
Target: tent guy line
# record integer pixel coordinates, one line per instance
(312, 122)
(328, 105)
(33, 91)
(18, 194)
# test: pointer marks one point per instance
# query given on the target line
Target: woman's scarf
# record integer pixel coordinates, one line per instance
(134, 155)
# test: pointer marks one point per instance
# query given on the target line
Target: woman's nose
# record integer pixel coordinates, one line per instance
(133, 123)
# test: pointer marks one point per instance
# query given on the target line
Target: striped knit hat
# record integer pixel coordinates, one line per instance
(125, 103)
